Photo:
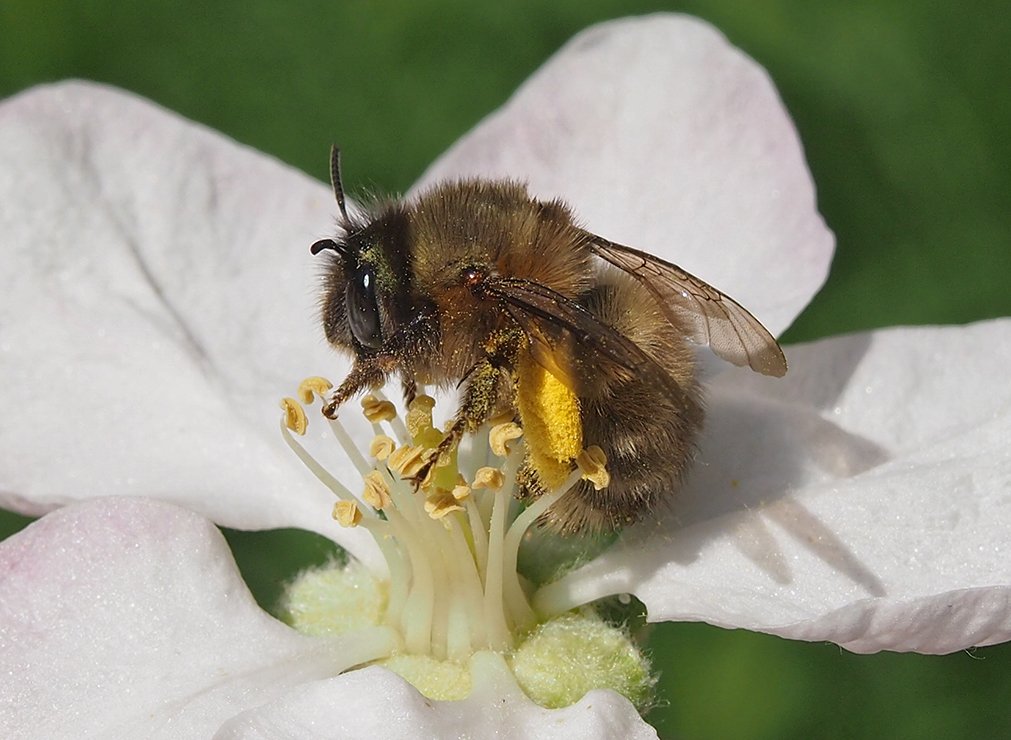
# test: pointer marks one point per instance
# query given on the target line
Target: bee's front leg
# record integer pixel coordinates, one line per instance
(364, 374)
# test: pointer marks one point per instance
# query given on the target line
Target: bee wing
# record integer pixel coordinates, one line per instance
(709, 316)
(541, 311)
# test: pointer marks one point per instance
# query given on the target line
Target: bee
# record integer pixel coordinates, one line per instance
(476, 284)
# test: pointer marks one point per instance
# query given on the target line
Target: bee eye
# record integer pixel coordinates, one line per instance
(363, 309)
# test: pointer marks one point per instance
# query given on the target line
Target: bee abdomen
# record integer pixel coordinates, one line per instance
(649, 448)
(647, 432)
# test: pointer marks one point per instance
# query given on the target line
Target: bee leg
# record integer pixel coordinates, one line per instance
(409, 386)
(363, 375)
(476, 408)
(529, 486)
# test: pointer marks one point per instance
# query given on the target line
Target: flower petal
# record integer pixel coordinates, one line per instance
(665, 137)
(157, 302)
(865, 499)
(374, 702)
(127, 617)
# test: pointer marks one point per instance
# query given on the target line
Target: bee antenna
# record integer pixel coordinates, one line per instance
(335, 179)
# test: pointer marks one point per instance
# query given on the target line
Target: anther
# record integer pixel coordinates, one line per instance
(377, 411)
(347, 513)
(591, 462)
(312, 388)
(501, 435)
(377, 493)
(294, 416)
(409, 459)
(488, 478)
(440, 503)
(381, 447)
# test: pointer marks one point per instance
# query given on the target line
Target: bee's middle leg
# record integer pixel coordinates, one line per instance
(477, 405)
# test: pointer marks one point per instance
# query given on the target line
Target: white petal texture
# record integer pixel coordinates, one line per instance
(380, 704)
(157, 302)
(128, 618)
(865, 500)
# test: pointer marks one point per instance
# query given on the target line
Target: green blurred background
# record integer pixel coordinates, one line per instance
(903, 108)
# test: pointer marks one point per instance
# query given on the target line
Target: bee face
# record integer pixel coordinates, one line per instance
(367, 284)
(476, 283)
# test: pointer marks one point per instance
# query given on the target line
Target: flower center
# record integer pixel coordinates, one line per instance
(450, 530)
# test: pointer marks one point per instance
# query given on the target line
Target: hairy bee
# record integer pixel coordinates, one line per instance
(477, 283)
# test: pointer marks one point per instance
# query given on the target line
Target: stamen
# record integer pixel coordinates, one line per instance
(321, 473)
(591, 462)
(377, 410)
(381, 447)
(348, 445)
(408, 459)
(501, 435)
(488, 479)
(347, 513)
(451, 543)
(440, 503)
(294, 416)
(419, 416)
(377, 492)
(312, 388)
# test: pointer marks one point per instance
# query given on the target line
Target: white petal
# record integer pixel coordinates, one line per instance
(865, 499)
(374, 702)
(666, 138)
(156, 302)
(127, 618)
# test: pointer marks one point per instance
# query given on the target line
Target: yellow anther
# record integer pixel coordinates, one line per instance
(294, 415)
(311, 388)
(441, 502)
(419, 415)
(376, 410)
(501, 435)
(377, 493)
(461, 492)
(488, 478)
(381, 447)
(408, 459)
(591, 462)
(347, 513)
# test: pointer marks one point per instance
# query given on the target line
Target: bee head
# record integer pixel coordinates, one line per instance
(366, 290)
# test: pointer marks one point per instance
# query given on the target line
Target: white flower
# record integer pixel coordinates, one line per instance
(158, 297)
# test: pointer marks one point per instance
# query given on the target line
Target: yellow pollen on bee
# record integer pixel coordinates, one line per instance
(381, 447)
(488, 479)
(313, 387)
(347, 513)
(294, 416)
(551, 420)
(501, 435)
(377, 410)
(377, 493)
(592, 462)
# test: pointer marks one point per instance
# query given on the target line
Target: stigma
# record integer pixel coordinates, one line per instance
(451, 542)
